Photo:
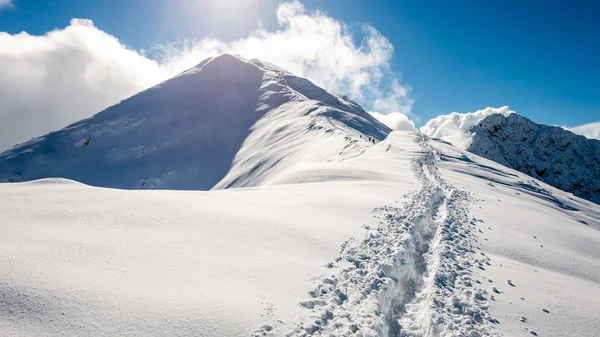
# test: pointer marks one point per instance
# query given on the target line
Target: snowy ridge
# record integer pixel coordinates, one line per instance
(311, 125)
(409, 276)
(551, 154)
(228, 122)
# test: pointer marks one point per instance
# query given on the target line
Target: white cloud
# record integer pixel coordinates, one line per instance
(6, 4)
(68, 74)
(591, 131)
(49, 81)
(395, 121)
(318, 47)
(453, 127)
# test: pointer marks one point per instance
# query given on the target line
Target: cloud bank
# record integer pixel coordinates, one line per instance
(49, 81)
(395, 121)
(453, 127)
(591, 131)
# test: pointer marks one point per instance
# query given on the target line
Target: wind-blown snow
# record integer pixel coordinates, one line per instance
(548, 153)
(185, 132)
(454, 128)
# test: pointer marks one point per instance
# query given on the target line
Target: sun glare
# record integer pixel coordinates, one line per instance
(220, 13)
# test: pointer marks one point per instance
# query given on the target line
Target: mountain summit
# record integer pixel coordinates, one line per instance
(227, 122)
(336, 234)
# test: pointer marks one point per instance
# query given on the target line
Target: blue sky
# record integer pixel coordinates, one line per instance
(538, 57)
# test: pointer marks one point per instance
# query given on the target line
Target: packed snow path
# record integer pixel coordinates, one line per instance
(410, 276)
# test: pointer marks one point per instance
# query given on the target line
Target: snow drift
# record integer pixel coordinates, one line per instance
(228, 122)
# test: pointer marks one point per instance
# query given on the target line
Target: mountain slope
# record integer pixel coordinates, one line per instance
(412, 237)
(550, 154)
(334, 236)
(185, 132)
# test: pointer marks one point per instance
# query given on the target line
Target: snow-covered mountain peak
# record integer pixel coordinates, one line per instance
(551, 154)
(230, 65)
(337, 234)
(227, 122)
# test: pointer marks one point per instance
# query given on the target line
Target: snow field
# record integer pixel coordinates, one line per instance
(318, 222)
(324, 248)
(409, 276)
(546, 242)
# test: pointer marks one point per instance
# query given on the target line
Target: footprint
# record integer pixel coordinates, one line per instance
(312, 303)
(523, 319)
(509, 282)
(533, 332)
(546, 311)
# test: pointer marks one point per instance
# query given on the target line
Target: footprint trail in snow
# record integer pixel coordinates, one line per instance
(410, 276)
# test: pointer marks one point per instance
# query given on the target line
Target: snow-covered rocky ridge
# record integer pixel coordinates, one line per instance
(551, 154)
(228, 122)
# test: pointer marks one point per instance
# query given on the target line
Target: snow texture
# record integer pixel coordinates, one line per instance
(551, 154)
(412, 275)
(185, 132)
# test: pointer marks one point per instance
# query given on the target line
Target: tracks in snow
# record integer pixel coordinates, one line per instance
(448, 302)
(410, 276)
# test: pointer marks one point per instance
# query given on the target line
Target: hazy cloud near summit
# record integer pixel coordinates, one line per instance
(49, 81)
(453, 127)
(395, 121)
